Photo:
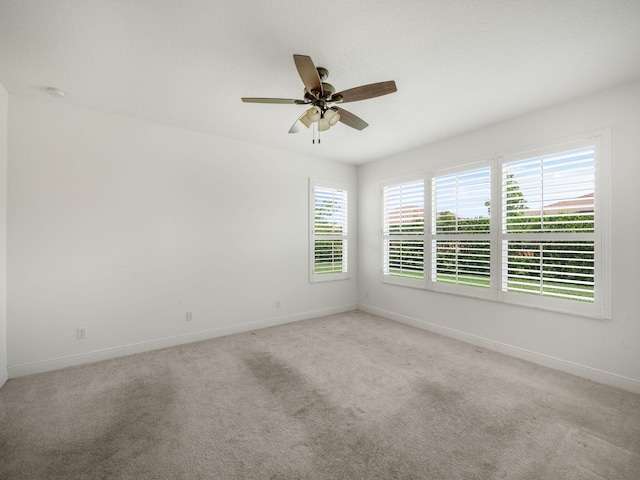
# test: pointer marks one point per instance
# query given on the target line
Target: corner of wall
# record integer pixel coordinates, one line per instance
(4, 109)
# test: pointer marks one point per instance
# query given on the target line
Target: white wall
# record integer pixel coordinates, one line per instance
(4, 104)
(122, 226)
(606, 351)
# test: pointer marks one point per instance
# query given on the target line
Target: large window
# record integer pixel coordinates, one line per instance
(551, 229)
(526, 228)
(403, 232)
(329, 231)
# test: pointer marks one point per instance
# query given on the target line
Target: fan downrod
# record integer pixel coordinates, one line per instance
(314, 97)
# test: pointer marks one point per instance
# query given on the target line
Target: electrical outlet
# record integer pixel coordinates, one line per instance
(81, 333)
(277, 303)
(189, 316)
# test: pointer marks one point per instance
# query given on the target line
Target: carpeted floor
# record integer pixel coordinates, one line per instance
(349, 396)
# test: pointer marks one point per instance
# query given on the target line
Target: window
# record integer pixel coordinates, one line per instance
(403, 233)
(526, 228)
(461, 229)
(329, 231)
(551, 229)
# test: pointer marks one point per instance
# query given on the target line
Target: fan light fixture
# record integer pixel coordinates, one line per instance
(332, 117)
(314, 114)
(325, 120)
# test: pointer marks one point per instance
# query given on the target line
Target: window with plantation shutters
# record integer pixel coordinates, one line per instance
(403, 232)
(329, 231)
(525, 228)
(461, 229)
(550, 228)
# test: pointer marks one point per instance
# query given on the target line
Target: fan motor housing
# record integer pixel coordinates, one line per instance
(327, 91)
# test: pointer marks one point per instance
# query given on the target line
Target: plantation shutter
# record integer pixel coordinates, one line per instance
(548, 225)
(329, 232)
(461, 229)
(529, 228)
(403, 231)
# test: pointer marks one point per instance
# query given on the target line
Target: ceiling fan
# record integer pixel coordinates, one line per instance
(322, 96)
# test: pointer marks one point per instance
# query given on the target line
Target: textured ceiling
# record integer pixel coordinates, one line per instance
(458, 64)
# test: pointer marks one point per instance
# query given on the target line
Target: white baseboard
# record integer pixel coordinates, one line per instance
(4, 376)
(576, 369)
(131, 349)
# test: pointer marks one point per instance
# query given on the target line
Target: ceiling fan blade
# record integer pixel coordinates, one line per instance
(350, 119)
(367, 91)
(308, 73)
(297, 125)
(273, 100)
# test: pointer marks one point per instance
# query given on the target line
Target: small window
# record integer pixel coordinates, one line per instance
(403, 233)
(461, 230)
(329, 231)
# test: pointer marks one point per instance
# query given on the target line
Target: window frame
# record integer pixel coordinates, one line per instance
(601, 306)
(313, 236)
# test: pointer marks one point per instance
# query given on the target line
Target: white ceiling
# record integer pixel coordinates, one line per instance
(458, 64)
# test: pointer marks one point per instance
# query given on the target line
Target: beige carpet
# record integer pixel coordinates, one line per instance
(349, 396)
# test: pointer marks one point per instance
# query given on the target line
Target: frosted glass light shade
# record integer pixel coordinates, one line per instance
(314, 114)
(323, 124)
(305, 120)
(332, 117)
